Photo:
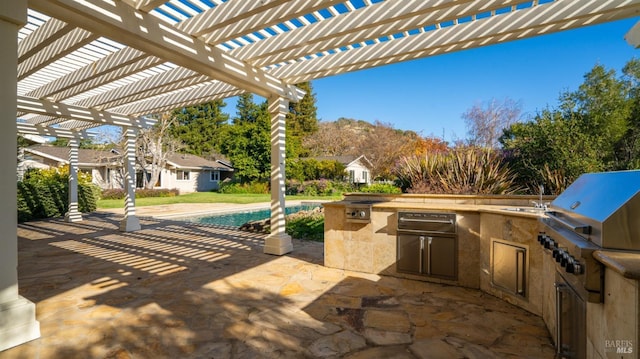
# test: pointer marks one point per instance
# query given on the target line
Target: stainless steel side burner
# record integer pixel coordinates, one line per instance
(359, 211)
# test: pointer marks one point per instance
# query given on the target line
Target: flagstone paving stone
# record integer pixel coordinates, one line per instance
(181, 290)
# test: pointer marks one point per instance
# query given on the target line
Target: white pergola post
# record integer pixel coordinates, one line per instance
(17, 315)
(278, 242)
(73, 214)
(130, 222)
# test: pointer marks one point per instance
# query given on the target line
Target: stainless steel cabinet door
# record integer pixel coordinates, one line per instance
(508, 267)
(409, 256)
(442, 257)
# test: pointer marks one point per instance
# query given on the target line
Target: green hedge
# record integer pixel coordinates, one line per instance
(38, 200)
(119, 193)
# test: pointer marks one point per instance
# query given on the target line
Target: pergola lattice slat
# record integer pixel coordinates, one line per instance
(537, 20)
(188, 97)
(60, 110)
(352, 28)
(145, 32)
(117, 65)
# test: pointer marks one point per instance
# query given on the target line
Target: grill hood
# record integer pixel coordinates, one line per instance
(604, 208)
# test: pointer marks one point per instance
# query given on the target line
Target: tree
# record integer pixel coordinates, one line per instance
(602, 109)
(198, 127)
(336, 138)
(627, 150)
(485, 122)
(154, 146)
(593, 129)
(301, 121)
(247, 142)
(383, 146)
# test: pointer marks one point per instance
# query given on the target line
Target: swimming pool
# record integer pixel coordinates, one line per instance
(239, 218)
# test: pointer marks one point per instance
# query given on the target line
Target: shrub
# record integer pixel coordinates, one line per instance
(242, 188)
(306, 226)
(119, 193)
(380, 188)
(463, 170)
(113, 193)
(320, 187)
(156, 192)
(44, 194)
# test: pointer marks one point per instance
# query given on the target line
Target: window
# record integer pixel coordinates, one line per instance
(365, 174)
(182, 175)
(214, 176)
(352, 176)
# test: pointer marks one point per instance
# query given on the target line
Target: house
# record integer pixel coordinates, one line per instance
(191, 173)
(358, 168)
(104, 167)
(187, 173)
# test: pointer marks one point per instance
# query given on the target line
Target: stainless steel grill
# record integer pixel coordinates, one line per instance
(598, 210)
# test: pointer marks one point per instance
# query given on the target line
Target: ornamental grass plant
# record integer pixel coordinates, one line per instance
(461, 170)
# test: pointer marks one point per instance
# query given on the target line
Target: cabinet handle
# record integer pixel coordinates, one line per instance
(520, 271)
(429, 241)
(559, 289)
(422, 254)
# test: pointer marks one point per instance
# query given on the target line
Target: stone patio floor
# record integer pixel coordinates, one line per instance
(179, 290)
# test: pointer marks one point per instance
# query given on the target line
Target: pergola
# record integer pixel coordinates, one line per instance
(81, 64)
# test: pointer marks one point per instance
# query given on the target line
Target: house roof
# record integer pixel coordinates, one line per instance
(61, 154)
(188, 161)
(87, 63)
(345, 160)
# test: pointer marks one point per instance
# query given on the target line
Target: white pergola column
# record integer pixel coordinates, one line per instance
(130, 222)
(17, 315)
(73, 214)
(278, 242)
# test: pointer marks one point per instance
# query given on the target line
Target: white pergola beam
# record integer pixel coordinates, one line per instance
(60, 110)
(225, 14)
(392, 16)
(270, 17)
(151, 86)
(120, 22)
(209, 92)
(544, 19)
(49, 31)
(56, 49)
(119, 64)
(30, 129)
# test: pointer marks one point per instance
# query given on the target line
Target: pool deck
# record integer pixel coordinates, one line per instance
(183, 290)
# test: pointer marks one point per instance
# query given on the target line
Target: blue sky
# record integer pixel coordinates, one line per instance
(430, 95)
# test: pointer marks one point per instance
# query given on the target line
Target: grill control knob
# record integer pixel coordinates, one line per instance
(548, 243)
(571, 265)
(577, 268)
(564, 260)
(541, 237)
(363, 214)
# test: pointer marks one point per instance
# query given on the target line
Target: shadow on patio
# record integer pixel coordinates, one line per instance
(170, 290)
(180, 290)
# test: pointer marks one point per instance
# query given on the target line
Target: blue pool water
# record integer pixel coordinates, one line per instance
(239, 218)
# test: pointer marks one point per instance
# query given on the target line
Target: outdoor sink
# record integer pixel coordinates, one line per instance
(525, 209)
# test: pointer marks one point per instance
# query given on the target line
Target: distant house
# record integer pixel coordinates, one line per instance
(188, 173)
(358, 168)
(103, 166)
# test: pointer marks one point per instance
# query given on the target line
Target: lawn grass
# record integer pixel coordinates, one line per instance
(207, 197)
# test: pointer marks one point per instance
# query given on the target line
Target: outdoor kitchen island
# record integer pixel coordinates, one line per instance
(496, 251)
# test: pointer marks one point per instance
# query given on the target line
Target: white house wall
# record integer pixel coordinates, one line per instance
(199, 181)
(361, 173)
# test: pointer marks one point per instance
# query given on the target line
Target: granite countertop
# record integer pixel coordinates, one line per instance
(623, 262)
(503, 209)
